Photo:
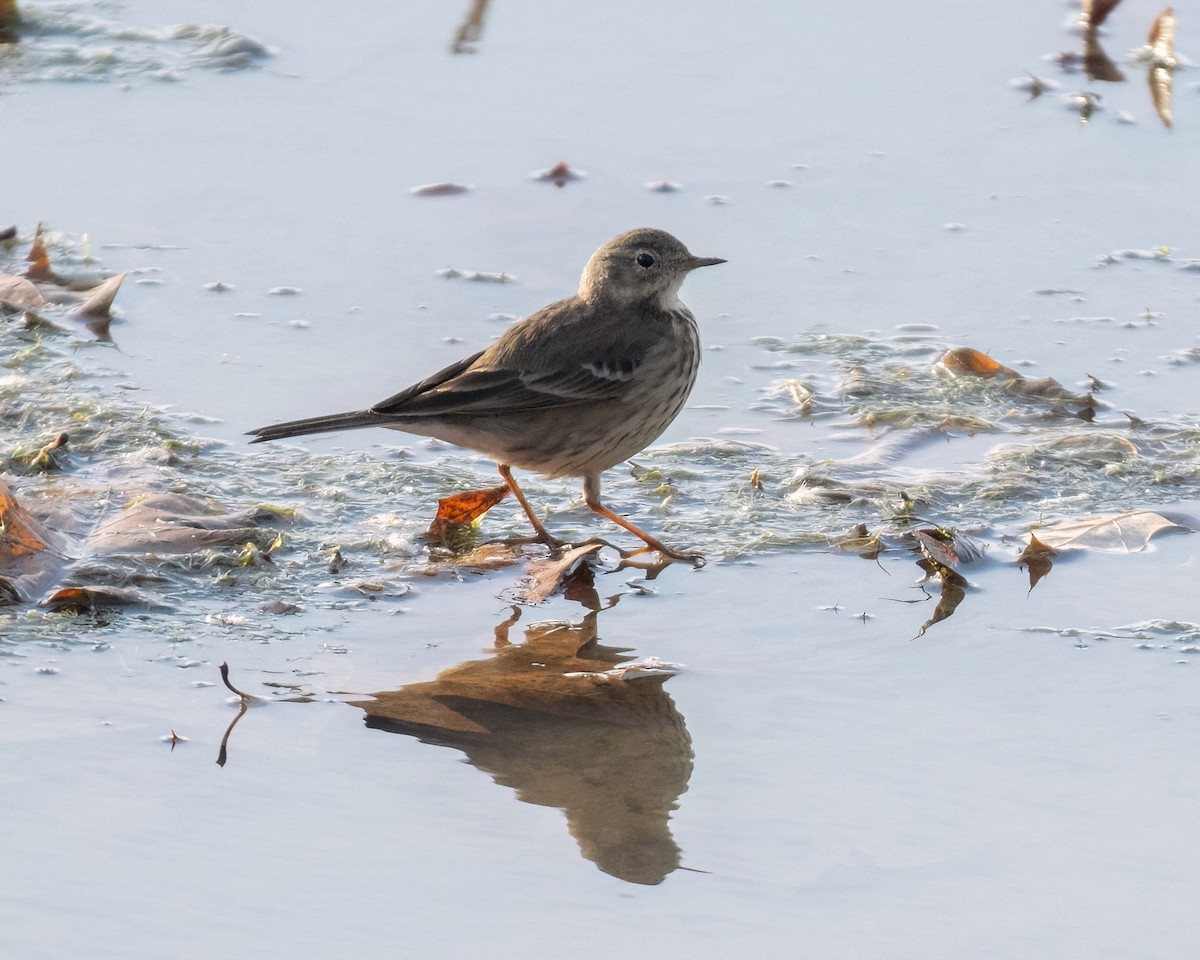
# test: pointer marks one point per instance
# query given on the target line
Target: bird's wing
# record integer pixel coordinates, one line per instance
(556, 356)
(397, 402)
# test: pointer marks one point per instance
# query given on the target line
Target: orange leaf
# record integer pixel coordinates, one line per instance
(39, 260)
(20, 533)
(463, 508)
(966, 361)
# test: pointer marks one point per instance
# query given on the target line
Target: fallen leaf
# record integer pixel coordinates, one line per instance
(946, 549)
(90, 598)
(1038, 558)
(456, 513)
(173, 523)
(560, 174)
(966, 361)
(20, 533)
(1128, 532)
(100, 298)
(19, 292)
(545, 575)
(38, 259)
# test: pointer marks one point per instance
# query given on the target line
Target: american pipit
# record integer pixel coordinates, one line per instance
(571, 390)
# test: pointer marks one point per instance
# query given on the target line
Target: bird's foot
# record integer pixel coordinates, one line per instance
(555, 545)
(667, 554)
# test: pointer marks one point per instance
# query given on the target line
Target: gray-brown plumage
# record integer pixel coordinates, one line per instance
(571, 390)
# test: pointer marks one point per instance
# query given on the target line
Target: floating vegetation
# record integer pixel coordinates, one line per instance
(113, 505)
(62, 41)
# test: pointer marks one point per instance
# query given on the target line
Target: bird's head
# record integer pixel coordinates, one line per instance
(643, 265)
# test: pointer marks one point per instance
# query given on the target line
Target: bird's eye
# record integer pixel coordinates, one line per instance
(645, 260)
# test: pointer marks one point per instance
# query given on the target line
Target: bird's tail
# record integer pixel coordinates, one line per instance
(297, 428)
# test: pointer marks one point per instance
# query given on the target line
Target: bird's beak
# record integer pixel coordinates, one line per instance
(695, 262)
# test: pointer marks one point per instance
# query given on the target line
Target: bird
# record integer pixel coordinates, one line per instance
(571, 390)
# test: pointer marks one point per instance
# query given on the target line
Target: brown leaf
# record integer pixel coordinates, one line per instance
(560, 174)
(39, 260)
(1038, 558)
(1128, 532)
(90, 598)
(19, 292)
(545, 575)
(456, 512)
(948, 550)
(100, 298)
(20, 534)
(173, 523)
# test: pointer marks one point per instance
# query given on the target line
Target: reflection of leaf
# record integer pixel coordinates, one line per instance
(954, 589)
(1095, 12)
(1127, 532)
(1038, 558)
(1162, 67)
(461, 510)
(1096, 63)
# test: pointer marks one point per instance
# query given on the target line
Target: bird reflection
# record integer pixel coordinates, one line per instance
(566, 722)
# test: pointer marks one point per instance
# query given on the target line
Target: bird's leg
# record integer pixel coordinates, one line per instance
(542, 534)
(591, 493)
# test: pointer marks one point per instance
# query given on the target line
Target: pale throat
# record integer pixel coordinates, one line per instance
(668, 298)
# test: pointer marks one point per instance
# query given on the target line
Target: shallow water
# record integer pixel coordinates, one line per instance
(1014, 783)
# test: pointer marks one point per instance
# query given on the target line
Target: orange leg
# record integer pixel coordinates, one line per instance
(591, 492)
(543, 535)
